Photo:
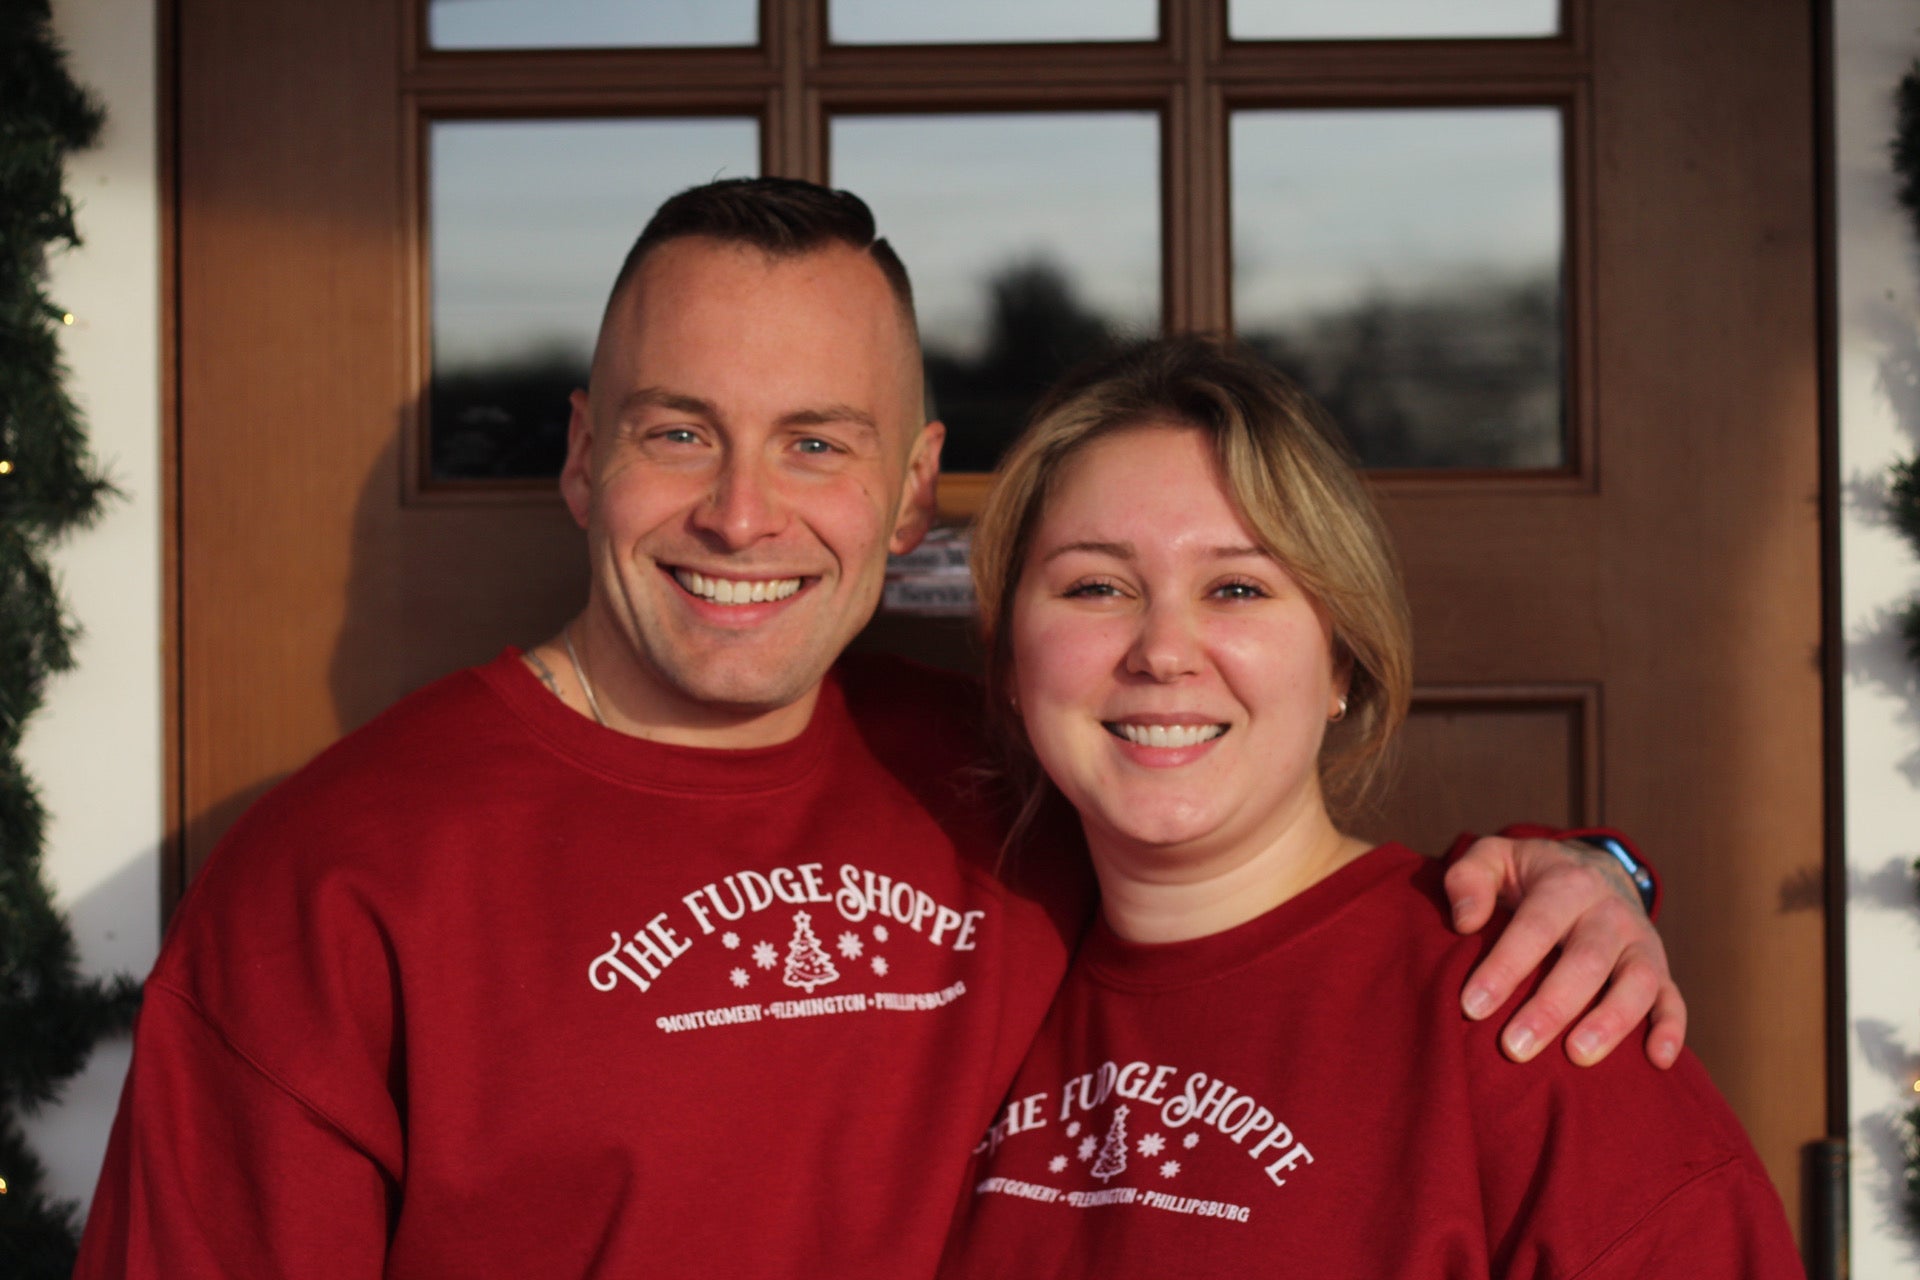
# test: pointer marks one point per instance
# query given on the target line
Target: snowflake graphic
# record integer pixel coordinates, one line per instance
(1171, 1169)
(850, 946)
(1073, 1130)
(1056, 1164)
(1087, 1146)
(1191, 1141)
(729, 939)
(879, 933)
(738, 977)
(1152, 1144)
(764, 955)
(880, 965)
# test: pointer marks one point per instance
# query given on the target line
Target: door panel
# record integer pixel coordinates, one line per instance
(1634, 640)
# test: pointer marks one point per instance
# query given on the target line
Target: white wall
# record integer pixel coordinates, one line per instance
(1875, 41)
(95, 750)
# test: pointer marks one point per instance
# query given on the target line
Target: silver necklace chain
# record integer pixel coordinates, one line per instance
(580, 674)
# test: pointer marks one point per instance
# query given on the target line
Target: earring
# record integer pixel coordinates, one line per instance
(1341, 714)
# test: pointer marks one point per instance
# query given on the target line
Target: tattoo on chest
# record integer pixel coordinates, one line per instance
(545, 673)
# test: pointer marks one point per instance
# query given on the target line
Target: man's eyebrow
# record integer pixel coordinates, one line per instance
(661, 398)
(827, 414)
(677, 402)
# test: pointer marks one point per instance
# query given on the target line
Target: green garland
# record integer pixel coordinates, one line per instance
(50, 1017)
(1903, 502)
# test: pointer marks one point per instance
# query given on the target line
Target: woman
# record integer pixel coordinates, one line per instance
(1194, 621)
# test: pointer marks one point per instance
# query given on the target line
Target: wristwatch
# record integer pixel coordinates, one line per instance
(1635, 869)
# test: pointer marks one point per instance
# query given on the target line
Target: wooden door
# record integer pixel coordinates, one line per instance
(1632, 639)
(1646, 647)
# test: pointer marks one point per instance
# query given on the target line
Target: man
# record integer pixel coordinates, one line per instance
(669, 946)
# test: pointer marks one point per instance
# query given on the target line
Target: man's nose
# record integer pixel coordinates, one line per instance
(742, 506)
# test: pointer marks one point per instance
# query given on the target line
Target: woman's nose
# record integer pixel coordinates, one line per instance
(1167, 645)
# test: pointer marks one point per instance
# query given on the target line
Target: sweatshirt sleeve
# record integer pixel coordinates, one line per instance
(1725, 1224)
(1617, 1170)
(182, 1191)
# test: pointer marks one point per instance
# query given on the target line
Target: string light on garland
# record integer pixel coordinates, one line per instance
(50, 1015)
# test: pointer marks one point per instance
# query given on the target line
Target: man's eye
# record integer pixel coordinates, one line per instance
(669, 437)
(813, 445)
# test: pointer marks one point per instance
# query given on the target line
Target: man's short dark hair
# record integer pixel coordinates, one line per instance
(784, 217)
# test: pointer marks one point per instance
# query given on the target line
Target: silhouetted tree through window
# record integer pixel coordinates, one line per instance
(1463, 376)
(1467, 376)
(1037, 329)
(504, 422)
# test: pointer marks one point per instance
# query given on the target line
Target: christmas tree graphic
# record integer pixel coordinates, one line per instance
(808, 964)
(1113, 1150)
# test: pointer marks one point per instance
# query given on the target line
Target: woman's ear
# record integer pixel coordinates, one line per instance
(1341, 686)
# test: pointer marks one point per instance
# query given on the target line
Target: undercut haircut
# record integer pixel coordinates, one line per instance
(782, 217)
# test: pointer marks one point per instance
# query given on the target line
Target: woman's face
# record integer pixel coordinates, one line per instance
(1174, 679)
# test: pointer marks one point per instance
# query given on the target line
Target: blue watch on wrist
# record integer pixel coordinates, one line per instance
(1635, 869)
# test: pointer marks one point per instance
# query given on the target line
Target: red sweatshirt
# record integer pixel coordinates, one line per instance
(1301, 1096)
(488, 990)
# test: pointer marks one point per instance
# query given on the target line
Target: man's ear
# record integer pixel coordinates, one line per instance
(576, 477)
(919, 494)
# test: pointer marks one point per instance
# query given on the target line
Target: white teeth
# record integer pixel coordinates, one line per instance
(1169, 735)
(730, 591)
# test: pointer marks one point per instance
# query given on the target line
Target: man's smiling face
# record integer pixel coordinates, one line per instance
(750, 449)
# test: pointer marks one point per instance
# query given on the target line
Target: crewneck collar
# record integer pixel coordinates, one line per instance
(666, 767)
(1137, 966)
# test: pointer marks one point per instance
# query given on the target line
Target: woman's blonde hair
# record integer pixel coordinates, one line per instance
(1290, 480)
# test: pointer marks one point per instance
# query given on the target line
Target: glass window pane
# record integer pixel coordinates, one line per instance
(1405, 267)
(990, 21)
(1392, 19)
(529, 222)
(590, 24)
(1032, 240)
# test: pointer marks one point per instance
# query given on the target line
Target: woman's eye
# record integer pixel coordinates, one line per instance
(1240, 591)
(1095, 590)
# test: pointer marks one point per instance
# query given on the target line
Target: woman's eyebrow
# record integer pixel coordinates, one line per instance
(1117, 550)
(1125, 551)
